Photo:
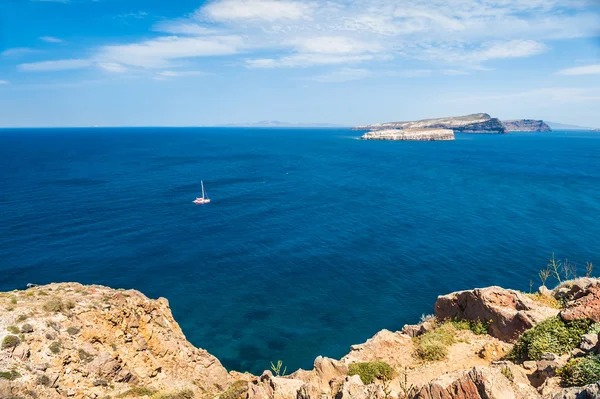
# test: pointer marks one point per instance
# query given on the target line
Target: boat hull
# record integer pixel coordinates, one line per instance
(201, 201)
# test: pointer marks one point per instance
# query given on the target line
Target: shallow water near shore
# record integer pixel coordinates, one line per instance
(314, 241)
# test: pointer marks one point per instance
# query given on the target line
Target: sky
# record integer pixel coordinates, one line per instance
(199, 63)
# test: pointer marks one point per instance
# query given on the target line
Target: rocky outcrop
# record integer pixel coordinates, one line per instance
(526, 125)
(508, 312)
(584, 302)
(588, 392)
(475, 123)
(410, 134)
(92, 341)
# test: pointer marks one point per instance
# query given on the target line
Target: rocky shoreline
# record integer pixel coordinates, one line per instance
(94, 342)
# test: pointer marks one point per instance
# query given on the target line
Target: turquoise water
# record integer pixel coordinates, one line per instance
(314, 240)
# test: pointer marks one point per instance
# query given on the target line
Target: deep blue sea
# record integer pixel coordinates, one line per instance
(314, 240)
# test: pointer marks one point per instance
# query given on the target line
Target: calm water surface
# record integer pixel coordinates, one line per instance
(314, 240)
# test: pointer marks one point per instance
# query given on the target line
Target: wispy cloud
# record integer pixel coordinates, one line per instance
(255, 10)
(18, 52)
(581, 70)
(183, 27)
(164, 75)
(134, 15)
(50, 39)
(306, 60)
(4, 82)
(112, 67)
(56, 65)
(342, 75)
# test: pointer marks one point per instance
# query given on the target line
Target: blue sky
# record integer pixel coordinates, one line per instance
(185, 63)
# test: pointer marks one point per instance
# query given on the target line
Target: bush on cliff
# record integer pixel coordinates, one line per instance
(370, 371)
(10, 341)
(552, 335)
(581, 371)
(433, 345)
(478, 327)
(237, 390)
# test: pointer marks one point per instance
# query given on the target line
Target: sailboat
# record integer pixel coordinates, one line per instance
(204, 199)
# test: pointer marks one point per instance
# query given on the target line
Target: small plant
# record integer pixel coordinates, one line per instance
(552, 335)
(55, 347)
(277, 368)
(589, 269)
(21, 318)
(54, 305)
(478, 327)
(70, 305)
(554, 268)
(406, 388)
(10, 341)
(370, 371)
(84, 356)
(581, 371)
(433, 345)
(13, 329)
(137, 391)
(237, 390)
(546, 300)
(13, 300)
(9, 375)
(73, 330)
(183, 394)
(507, 372)
(26, 328)
(594, 329)
(544, 275)
(44, 380)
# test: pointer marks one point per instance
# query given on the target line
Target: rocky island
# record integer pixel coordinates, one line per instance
(418, 134)
(475, 123)
(526, 125)
(92, 342)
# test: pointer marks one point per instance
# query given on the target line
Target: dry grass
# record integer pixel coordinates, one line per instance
(546, 300)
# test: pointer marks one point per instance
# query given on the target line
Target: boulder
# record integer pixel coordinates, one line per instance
(353, 388)
(271, 387)
(589, 342)
(509, 312)
(584, 303)
(588, 392)
(415, 330)
(477, 383)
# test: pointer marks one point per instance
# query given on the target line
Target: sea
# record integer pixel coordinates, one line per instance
(314, 240)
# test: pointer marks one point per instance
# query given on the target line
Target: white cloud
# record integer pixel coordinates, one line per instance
(342, 75)
(57, 65)
(333, 45)
(454, 72)
(257, 10)
(164, 75)
(161, 52)
(306, 60)
(183, 27)
(581, 70)
(511, 49)
(112, 67)
(18, 51)
(50, 39)
(3, 82)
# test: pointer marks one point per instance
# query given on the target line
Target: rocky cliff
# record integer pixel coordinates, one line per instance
(526, 125)
(92, 342)
(410, 134)
(475, 123)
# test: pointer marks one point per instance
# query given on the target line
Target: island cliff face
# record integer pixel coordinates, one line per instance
(92, 342)
(475, 123)
(526, 125)
(410, 134)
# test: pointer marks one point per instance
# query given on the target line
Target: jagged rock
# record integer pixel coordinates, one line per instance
(353, 388)
(526, 125)
(271, 387)
(392, 347)
(545, 291)
(509, 312)
(588, 392)
(309, 391)
(588, 342)
(477, 383)
(415, 330)
(584, 303)
(530, 365)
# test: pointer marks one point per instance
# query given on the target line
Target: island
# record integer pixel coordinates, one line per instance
(71, 340)
(474, 123)
(417, 134)
(526, 125)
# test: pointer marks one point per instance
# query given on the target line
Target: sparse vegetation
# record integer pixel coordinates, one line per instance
(9, 375)
(85, 356)
(13, 300)
(594, 329)
(406, 389)
(478, 327)
(562, 271)
(433, 345)
(237, 390)
(183, 394)
(44, 380)
(10, 341)
(26, 328)
(581, 371)
(54, 305)
(546, 300)
(370, 371)
(507, 372)
(55, 347)
(277, 368)
(13, 329)
(136, 392)
(73, 330)
(21, 318)
(552, 335)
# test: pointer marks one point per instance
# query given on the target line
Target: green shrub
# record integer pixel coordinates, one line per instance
(433, 345)
(9, 375)
(54, 305)
(507, 372)
(13, 329)
(44, 380)
(594, 329)
(73, 330)
(581, 371)
(551, 335)
(136, 392)
(369, 371)
(10, 341)
(478, 327)
(26, 328)
(13, 300)
(237, 390)
(55, 347)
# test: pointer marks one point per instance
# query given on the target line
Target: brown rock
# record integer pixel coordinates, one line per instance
(510, 312)
(585, 304)
(492, 351)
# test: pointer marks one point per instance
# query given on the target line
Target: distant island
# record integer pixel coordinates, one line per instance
(434, 129)
(563, 126)
(280, 124)
(526, 125)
